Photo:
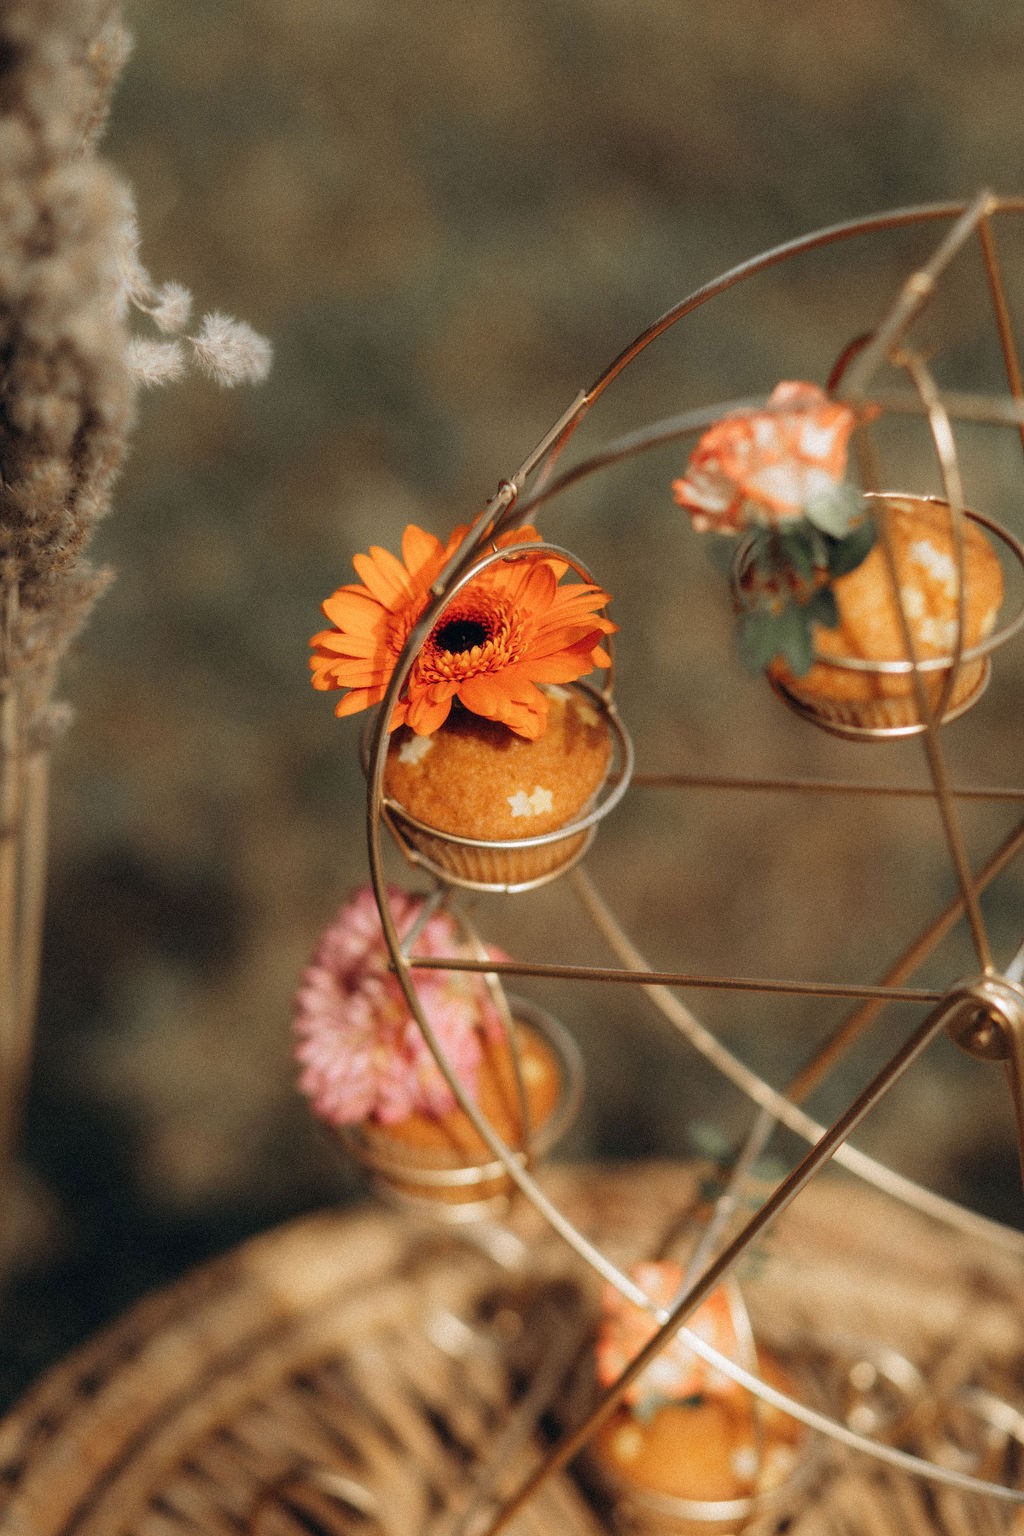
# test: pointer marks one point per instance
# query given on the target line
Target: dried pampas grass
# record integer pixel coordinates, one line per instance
(70, 281)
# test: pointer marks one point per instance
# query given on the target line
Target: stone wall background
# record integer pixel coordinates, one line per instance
(449, 217)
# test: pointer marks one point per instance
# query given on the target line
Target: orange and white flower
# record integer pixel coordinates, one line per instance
(511, 628)
(677, 1372)
(767, 466)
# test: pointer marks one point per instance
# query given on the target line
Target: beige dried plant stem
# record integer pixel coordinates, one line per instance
(65, 411)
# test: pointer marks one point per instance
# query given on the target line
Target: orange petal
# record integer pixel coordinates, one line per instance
(570, 639)
(486, 694)
(539, 588)
(338, 644)
(526, 723)
(359, 698)
(422, 553)
(425, 714)
(355, 674)
(527, 534)
(385, 577)
(566, 667)
(398, 715)
(578, 600)
(353, 608)
(508, 696)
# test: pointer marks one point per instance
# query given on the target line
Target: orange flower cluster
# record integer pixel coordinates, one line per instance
(677, 1372)
(767, 466)
(509, 629)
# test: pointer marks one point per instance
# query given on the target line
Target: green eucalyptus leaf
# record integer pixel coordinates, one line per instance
(823, 608)
(798, 547)
(793, 638)
(844, 555)
(759, 638)
(835, 511)
(819, 543)
(763, 556)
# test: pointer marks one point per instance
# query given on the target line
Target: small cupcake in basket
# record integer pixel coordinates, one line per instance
(688, 1449)
(812, 586)
(370, 1075)
(924, 553)
(479, 780)
(499, 755)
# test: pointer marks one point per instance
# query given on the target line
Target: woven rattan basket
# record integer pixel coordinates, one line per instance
(392, 1357)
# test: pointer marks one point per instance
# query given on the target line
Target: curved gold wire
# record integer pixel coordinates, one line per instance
(952, 481)
(512, 1164)
(967, 218)
(949, 464)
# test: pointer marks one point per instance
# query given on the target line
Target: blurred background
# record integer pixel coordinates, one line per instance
(449, 217)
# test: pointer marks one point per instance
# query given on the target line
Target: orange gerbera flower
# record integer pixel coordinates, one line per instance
(512, 627)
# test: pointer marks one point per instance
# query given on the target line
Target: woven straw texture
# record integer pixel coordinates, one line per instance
(406, 1359)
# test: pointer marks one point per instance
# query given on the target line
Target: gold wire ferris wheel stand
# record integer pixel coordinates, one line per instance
(983, 1013)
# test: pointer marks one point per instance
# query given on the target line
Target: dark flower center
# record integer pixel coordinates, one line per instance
(460, 634)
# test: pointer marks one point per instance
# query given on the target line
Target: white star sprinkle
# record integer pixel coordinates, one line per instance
(415, 749)
(535, 804)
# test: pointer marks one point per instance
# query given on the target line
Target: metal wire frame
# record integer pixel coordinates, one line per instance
(509, 508)
(783, 1108)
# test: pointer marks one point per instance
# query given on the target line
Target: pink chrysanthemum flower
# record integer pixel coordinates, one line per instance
(362, 1053)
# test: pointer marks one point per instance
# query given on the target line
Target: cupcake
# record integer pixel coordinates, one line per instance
(443, 1157)
(688, 1449)
(811, 581)
(371, 1077)
(864, 700)
(490, 749)
(487, 807)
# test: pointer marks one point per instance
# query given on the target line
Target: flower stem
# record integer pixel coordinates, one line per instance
(11, 796)
(23, 825)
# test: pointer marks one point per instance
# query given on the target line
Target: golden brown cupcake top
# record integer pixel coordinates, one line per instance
(713, 1446)
(475, 778)
(924, 550)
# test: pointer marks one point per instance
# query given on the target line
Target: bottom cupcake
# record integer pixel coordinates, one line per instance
(370, 1075)
(688, 1450)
